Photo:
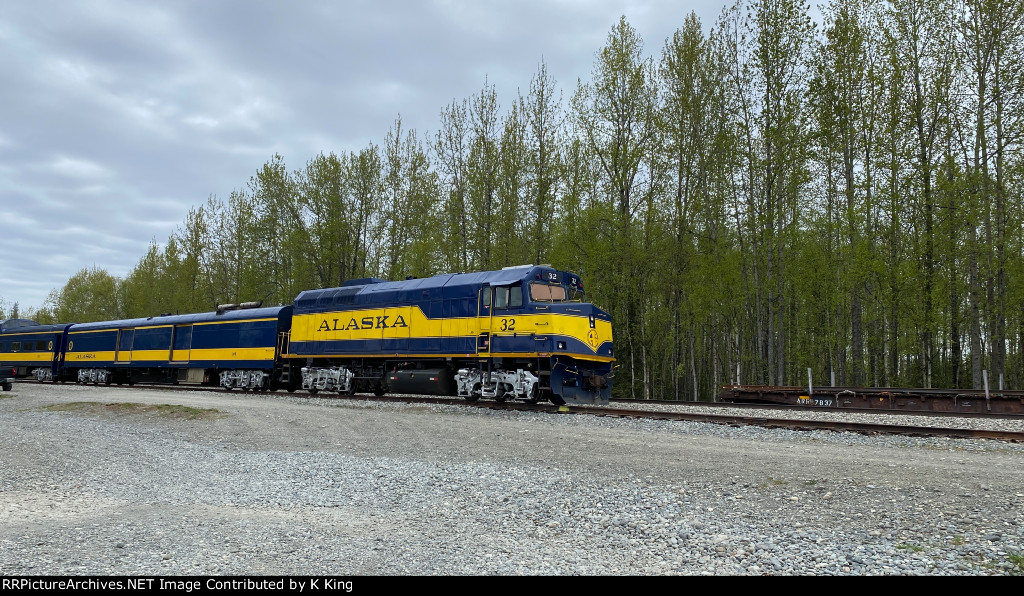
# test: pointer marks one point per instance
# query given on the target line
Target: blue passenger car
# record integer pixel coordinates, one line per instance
(30, 349)
(231, 348)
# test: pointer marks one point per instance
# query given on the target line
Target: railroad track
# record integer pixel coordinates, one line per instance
(868, 428)
(808, 408)
(734, 420)
(909, 399)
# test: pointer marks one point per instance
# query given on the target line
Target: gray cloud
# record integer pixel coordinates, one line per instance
(118, 116)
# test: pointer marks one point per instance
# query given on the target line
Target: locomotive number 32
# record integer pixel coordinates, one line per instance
(508, 324)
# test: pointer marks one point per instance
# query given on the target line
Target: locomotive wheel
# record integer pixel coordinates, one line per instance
(380, 390)
(474, 393)
(534, 396)
(313, 390)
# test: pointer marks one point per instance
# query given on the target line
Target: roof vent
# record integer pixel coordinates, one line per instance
(223, 308)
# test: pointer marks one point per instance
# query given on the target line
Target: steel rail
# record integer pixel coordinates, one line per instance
(803, 408)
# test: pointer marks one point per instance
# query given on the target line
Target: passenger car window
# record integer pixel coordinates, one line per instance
(125, 344)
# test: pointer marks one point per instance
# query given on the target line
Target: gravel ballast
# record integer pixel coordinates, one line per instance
(286, 485)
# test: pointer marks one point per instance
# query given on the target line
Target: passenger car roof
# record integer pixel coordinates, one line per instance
(29, 326)
(206, 317)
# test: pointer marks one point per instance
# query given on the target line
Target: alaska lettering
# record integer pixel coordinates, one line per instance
(378, 322)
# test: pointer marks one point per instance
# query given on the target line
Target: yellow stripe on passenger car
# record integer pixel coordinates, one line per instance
(148, 327)
(88, 356)
(233, 354)
(234, 321)
(145, 354)
(225, 354)
(27, 357)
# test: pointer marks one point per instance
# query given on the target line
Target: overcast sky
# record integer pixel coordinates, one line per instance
(118, 116)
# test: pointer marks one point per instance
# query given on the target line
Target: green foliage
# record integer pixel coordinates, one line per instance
(762, 199)
(90, 295)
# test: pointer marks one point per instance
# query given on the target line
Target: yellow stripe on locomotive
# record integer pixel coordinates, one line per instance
(409, 322)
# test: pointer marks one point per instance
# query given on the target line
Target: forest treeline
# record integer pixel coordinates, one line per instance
(749, 200)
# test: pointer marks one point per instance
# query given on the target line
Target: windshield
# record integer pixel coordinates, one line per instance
(540, 292)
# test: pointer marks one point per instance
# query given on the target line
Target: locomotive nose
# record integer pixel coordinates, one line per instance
(599, 332)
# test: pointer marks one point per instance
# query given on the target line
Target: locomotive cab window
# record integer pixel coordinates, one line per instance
(508, 297)
(541, 292)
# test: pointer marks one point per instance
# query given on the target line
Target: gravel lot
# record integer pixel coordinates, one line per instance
(280, 484)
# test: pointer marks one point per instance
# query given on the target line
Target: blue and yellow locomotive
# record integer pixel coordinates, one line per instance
(518, 333)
